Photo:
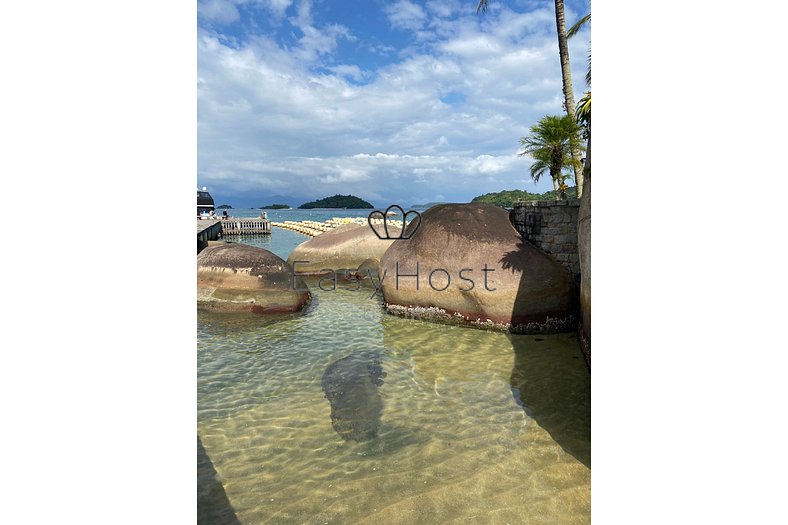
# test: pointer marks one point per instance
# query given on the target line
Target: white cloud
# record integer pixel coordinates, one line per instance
(404, 14)
(474, 46)
(299, 119)
(220, 11)
(443, 8)
(348, 71)
(277, 7)
(315, 41)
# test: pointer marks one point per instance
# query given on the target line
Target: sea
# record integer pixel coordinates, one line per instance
(282, 241)
(468, 426)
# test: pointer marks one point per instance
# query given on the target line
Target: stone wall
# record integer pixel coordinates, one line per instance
(552, 227)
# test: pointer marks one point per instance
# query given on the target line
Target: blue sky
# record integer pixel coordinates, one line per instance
(396, 102)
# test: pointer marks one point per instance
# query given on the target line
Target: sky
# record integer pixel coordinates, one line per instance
(403, 101)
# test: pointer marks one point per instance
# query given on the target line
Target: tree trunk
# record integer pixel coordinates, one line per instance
(569, 95)
(554, 174)
(584, 252)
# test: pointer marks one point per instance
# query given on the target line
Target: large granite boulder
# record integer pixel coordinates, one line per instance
(474, 266)
(235, 277)
(344, 248)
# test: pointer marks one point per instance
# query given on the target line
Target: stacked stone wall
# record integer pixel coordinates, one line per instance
(552, 227)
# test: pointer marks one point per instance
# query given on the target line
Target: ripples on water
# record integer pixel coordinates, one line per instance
(476, 427)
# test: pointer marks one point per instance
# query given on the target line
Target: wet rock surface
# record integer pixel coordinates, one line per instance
(468, 262)
(240, 278)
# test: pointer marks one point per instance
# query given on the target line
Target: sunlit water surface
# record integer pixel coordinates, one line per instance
(475, 426)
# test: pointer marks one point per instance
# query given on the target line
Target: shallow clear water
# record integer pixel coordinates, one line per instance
(470, 426)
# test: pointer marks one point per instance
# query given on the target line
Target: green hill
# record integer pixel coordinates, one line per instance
(337, 201)
(224, 207)
(507, 198)
(571, 193)
(275, 207)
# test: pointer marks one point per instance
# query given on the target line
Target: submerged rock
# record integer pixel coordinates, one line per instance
(467, 263)
(240, 278)
(344, 248)
(351, 386)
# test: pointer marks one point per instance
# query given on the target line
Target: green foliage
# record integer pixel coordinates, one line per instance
(275, 207)
(583, 111)
(224, 207)
(572, 32)
(571, 193)
(507, 198)
(550, 144)
(578, 25)
(338, 201)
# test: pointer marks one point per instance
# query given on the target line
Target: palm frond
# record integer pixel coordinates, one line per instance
(583, 111)
(482, 7)
(538, 169)
(588, 71)
(578, 25)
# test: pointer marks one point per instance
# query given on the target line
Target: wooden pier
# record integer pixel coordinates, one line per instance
(207, 230)
(246, 227)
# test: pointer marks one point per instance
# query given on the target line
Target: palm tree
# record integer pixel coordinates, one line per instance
(572, 32)
(569, 96)
(551, 144)
(578, 25)
(583, 113)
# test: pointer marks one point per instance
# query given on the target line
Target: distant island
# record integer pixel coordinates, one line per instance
(224, 207)
(275, 207)
(507, 198)
(337, 201)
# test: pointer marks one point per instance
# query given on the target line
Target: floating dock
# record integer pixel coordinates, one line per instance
(314, 228)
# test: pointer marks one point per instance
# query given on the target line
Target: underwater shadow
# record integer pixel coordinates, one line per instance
(213, 507)
(351, 386)
(551, 383)
(549, 378)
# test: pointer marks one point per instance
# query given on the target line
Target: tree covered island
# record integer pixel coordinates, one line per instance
(338, 201)
(507, 198)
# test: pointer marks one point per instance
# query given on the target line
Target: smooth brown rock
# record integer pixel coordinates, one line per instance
(525, 288)
(235, 277)
(343, 248)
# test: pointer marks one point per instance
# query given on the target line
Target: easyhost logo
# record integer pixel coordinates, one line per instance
(385, 215)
